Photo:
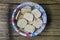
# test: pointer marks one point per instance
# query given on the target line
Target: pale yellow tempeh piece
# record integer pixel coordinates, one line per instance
(28, 16)
(36, 13)
(29, 29)
(37, 23)
(21, 23)
(26, 9)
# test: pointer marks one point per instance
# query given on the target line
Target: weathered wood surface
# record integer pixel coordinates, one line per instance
(37, 1)
(52, 30)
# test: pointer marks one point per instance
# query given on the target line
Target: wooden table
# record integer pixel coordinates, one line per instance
(52, 30)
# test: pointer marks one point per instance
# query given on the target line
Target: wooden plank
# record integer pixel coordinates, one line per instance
(3, 7)
(33, 38)
(3, 38)
(40, 1)
(53, 10)
(48, 11)
(3, 11)
(3, 25)
(38, 38)
(44, 32)
(3, 4)
(3, 34)
(3, 29)
(54, 6)
(58, 1)
(5, 18)
(51, 6)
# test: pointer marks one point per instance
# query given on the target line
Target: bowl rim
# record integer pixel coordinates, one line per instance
(44, 18)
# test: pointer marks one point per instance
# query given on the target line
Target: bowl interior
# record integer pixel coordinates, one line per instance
(33, 6)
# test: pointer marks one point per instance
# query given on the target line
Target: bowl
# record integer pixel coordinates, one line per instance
(33, 5)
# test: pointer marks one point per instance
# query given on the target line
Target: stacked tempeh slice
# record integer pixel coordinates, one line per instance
(29, 20)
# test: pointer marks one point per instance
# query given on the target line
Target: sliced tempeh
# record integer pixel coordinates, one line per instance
(29, 28)
(21, 23)
(37, 23)
(36, 13)
(30, 22)
(17, 15)
(26, 9)
(28, 16)
(20, 17)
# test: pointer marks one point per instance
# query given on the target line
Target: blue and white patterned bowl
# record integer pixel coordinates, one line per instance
(33, 5)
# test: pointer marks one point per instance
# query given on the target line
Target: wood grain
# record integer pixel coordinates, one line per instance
(52, 30)
(38, 38)
(40, 1)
